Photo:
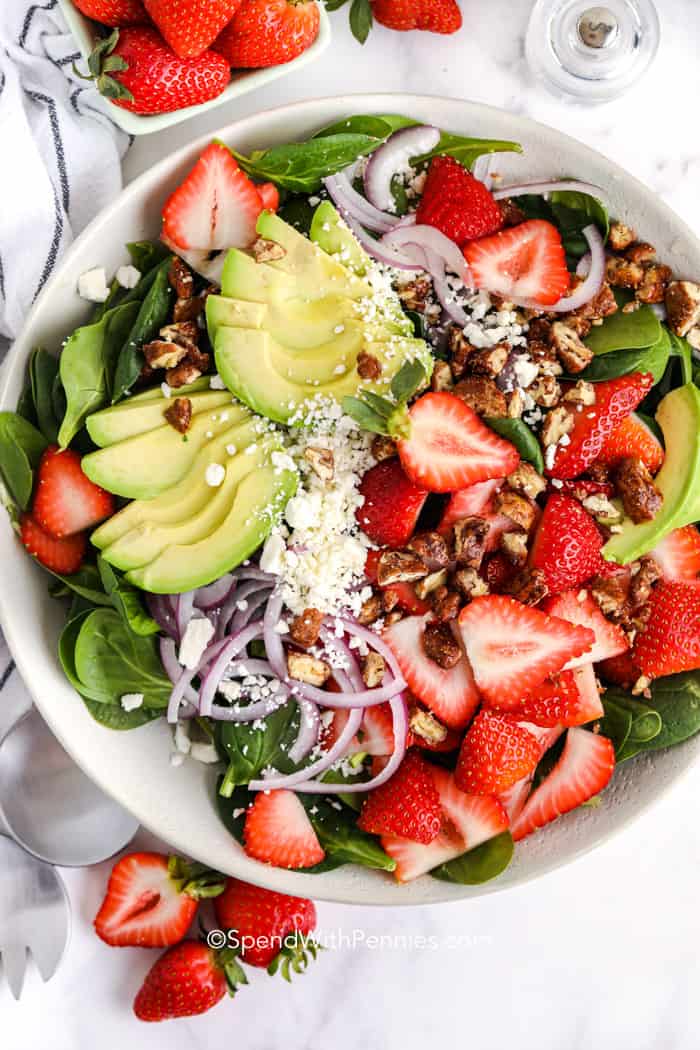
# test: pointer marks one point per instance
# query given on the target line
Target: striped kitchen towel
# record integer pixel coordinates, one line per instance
(61, 153)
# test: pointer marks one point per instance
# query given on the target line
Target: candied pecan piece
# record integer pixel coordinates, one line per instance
(163, 354)
(414, 293)
(623, 274)
(383, 447)
(446, 604)
(601, 305)
(644, 576)
(304, 628)
(390, 600)
(515, 404)
(198, 358)
(187, 309)
(539, 330)
(393, 617)
(620, 236)
(373, 669)
(399, 567)
(683, 306)
(469, 583)
(430, 583)
(600, 507)
(511, 214)
(571, 350)
(265, 250)
(370, 611)
(441, 379)
(581, 393)
(529, 587)
(368, 366)
(431, 548)
(514, 546)
(489, 361)
(184, 333)
(181, 278)
(182, 375)
(321, 461)
(610, 594)
(545, 357)
(482, 395)
(635, 486)
(526, 480)
(306, 668)
(653, 286)
(557, 424)
(424, 724)
(470, 541)
(441, 646)
(545, 391)
(640, 252)
(179, 414)
(517, 507)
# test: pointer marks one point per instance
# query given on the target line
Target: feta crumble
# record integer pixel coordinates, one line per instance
(92, 285)
(198, 633)
(128, 276)
(131, 701)
(216, 383)
(214, 475)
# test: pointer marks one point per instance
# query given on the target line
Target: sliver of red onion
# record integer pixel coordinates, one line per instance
(391, 157)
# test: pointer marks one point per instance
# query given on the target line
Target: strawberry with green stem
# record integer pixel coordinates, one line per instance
(188, 980)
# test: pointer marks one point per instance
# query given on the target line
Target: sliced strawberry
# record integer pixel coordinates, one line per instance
(391, 505)
(515, 797)
(450, 448)
(376, 734)
(632, 438)
(333, 723)
(584, 768)
(621, 670)
(678, 554)
(407, 804)
(495, 753)
(151, 900)
(414, 859)
(567, 544)
(216, 207)
(670, 641)
(615, 399)
(578, 607)
(428, 733)
(277, 831)
(556, 701)
(405, 593)
(587, 685)
(62, 556)
(456, 203)
(498, 571)
(512, 648)
(65, 500)
(477, 500)
(269, 195)
(525, 262)
(452, 695)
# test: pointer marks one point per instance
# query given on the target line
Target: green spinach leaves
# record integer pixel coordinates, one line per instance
(21, 448)
(670, 716)
(480, 864)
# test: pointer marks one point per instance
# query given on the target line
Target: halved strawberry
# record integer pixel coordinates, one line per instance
(407, 804)
(498, 571)
(333, 723)
(477, 500)
(450, 448)
(62, 556)
(391, 505)
(215, 207)
(577, 606)
(452, 695)
(456, 203)
(587, 685)
(277, 831)
(615, 399)
(269, 195)
(515, 797)
(632, 438)
(567, 544)
(678, 554)
(405, 593)
(65, 500)
(525, 262)
(556, 701)
(376, 734)
(151, 900)
(584, 768)
(496, 752)
(621, 670)
(670, 640)
(512, 648)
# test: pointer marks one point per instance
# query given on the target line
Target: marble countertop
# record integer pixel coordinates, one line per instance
(601, 954)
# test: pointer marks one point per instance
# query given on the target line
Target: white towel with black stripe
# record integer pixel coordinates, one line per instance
(61, 153)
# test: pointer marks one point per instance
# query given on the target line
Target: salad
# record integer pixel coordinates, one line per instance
(377, 478)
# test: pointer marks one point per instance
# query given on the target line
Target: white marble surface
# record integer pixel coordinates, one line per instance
(602, 954)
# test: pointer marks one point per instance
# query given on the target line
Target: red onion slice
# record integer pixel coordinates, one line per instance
(161, 612)
(428, 237)
(391, 157)
(173, 669)
(594, 280)
(184, 608)
(215, 594)
(543, 188)
(253, 592)
(352, 671)
(351, 203)
(273, 641)
(442, 289)
(337, 751)
(309, 728)
(216, 667)
(379, 251)
(251, 712)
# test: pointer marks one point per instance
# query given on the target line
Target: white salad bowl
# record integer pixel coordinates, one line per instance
(134, 767)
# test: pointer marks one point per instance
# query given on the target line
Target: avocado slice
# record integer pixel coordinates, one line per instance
(151, 393)
(678, 480)
(143, 466)
(130, 418)
(334, 236)
(257, 503)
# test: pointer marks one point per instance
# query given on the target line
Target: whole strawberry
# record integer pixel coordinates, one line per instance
(272, 928)
(456, 203)
(190, 26)
(114, 12)
(189, 979)
(495, 753)
(268, 32)
(436, 16)
(136, 70)
(567, 544)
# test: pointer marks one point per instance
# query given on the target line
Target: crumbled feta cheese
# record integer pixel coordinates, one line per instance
(181, 738)
(92, 285)
(202, 752)
(216, 383)
(231, 690)
(131, 701)
(198, 634)
(281, 627)
(525, 370)
(165, 390)
(231, 450)
(214, 475)
(550, 454)
(282, 461)
(128, 276)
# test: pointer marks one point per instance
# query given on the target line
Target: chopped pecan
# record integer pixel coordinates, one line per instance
(644, 575)
(198, 358)
(620, 236)
(383, 447)
(601, 305)
(610, 594)
(640, 252)
(430, 583)
(180, 278)
(529, 587)
(518, 508)
(441, 378)
(390, 600)
(539, 330)
(373, 669)
(545, 357)
(425, 725)
(306, 668)
(623, 274)
(683, 306)
(470, 541)
(321, 461)
(557, 424)
(368, 366)
(581, 393)
(490, 361)
(413, 294)
(635, 486)
(441, 646)
(179, 414)
(431, 548)
(571, 350)
(446, 604)
(184, 333)
(162, 354)
(188, 309)
(399, 567)
(304, 628)
(580, 325)
(182, 375)
(482, 395)
(515, 404)
(370, 611)
(393, 617)
(511, 214)
(526, 480)
(267, 251)
(545, 391)
(514, 546)
(599, 473)
(653, 286)
(460, 350)
(601, 508)
(469, 583)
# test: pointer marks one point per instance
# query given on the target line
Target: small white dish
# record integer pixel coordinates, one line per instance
(134, 767)
(242, 81)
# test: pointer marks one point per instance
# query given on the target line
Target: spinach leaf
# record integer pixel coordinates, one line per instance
(300, 166)
(126, 600)
(58, 398)
(227, 805)
(341, 839)
(520, 435)
(480, 864)
(145, 255)
(66, 654)
(652, 359)
(111, 660)
(297, 212)
(85, 366)
(113, 716)
(25, 404)
(360, 19)
(620, 331)
(615, 724)
(681, 349)
(570, 212)
(465, 150)
(628, 722)
(152, 315)
(43, 369)
(115, 297)
(675, 700)
(249, 747)
(21, 448)
(377, 127)
(86, 583)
